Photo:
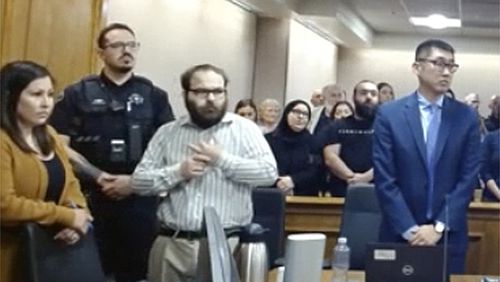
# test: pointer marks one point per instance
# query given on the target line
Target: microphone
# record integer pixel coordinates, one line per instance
(445, 239)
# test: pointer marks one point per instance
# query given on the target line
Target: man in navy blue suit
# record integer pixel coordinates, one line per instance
(426, 158)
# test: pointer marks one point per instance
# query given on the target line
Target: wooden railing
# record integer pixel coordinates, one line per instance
(313, 214)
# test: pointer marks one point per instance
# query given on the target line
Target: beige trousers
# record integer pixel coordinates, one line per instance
(176, 259)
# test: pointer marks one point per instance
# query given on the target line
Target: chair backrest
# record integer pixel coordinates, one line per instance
(46, 259)
(360, 221)
(269, 211)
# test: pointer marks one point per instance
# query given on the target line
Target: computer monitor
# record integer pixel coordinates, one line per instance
(215, 260)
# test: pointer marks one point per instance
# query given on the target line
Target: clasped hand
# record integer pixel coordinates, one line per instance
(116, 187)
(357, 178)
(425, 235)
(78, 228)
(205, 154)
(285, 184)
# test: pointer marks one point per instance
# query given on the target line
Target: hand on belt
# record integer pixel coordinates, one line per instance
(196, 235)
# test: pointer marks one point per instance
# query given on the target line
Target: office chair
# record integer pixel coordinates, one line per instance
(360, 221)
(269, 211)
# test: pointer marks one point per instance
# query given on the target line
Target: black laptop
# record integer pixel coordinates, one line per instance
(388, 262)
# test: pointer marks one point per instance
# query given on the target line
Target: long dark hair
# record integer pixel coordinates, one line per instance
(14, 78)
(332, 113)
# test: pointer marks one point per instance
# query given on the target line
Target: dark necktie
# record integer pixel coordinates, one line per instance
(432, 133)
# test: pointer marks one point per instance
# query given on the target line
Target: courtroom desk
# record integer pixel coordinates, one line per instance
(314, 214)
(359, 276)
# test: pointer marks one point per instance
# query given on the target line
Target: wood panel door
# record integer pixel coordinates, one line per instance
(59, 34)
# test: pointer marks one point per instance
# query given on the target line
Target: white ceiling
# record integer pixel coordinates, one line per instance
(364, 19)
(479, 17)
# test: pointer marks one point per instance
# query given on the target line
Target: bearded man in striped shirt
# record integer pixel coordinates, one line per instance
(208, 158)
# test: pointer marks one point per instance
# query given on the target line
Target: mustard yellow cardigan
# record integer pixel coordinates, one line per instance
(23, 185)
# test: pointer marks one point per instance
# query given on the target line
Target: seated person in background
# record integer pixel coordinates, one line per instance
(269, 112)
(490, 166)
(385, 91)
(247, 109)
(38, 184)
(320, 116)
(347, 144)
(493, 121)
(342, 109)
(291, 144)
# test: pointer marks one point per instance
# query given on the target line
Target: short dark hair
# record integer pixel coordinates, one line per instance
(188, 74)
(14, 78)
(101, 39)
(382, 85)
(357, 84)
(425, 47)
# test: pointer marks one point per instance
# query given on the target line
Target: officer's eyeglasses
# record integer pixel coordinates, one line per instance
(299, 113)
(441, 65)
(134, 45)
(203, 92)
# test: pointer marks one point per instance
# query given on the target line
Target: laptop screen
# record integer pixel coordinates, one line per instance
(389, 262)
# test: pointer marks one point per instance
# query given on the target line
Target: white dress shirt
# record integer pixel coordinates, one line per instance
(246, 162)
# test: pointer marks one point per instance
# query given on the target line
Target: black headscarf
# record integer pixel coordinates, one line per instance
(284, 131)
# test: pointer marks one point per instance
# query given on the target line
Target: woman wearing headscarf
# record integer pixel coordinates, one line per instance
(292, 144)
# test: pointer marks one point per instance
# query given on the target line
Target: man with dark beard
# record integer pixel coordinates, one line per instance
(210, 157)
(347, 143)
(109, 119)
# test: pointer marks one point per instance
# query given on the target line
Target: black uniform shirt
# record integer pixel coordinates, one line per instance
(95, 112)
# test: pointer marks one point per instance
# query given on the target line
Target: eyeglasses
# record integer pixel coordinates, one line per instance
(441, 65)
(122, 45)
(299, 113)
(203, 92)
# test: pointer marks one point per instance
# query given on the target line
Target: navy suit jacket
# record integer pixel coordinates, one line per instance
(399, 155)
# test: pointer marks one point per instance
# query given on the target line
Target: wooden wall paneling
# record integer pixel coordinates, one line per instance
(483, 254)
(100, 13)
(57, 33)
(15, 22)
(61, 33)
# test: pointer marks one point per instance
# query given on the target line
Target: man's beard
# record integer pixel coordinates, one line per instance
(123, 68)
(198, 118)
(365, 111)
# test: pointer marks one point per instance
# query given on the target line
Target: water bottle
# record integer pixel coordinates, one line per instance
(251, 254)
(340, 260)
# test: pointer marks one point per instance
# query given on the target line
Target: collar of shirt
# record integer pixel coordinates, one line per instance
(423, 103)
(108, 82)
(186, 120)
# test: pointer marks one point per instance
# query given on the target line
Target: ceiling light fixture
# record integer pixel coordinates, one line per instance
(436, 21)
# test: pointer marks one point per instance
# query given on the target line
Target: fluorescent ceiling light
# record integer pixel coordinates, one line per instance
(436, 21)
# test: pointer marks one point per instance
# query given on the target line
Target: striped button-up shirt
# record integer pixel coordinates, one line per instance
(246, 162)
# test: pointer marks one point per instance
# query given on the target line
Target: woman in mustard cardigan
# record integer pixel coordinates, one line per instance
(37, 182)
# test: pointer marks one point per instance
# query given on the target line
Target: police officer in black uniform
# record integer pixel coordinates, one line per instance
(109, 119)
